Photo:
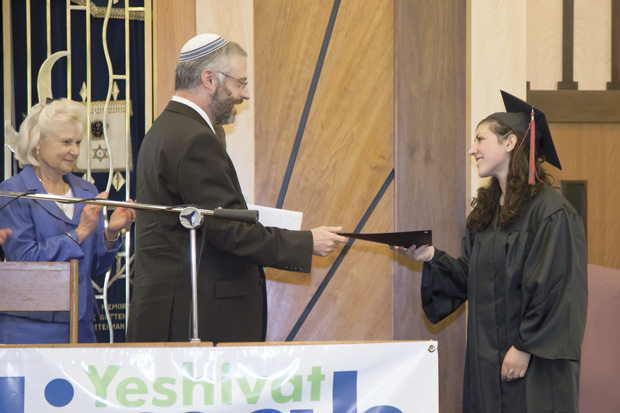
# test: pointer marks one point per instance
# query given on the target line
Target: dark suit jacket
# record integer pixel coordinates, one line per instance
(183, 162)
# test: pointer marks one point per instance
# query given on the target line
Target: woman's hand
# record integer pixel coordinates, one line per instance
(515, 364)
(4, 234)
(89, 219)
(120, 219)
(423, 253)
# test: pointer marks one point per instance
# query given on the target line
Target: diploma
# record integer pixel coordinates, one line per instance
(399, 239)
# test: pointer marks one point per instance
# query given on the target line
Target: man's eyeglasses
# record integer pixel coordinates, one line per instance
(243, 83)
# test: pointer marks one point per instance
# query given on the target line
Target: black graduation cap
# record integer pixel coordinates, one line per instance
(518, 117)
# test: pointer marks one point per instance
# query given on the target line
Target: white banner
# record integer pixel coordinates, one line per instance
(394, 377)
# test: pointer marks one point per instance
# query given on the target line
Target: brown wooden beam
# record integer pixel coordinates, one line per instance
(577, 105)
(568, 34)
(431, 85)
(615, 46)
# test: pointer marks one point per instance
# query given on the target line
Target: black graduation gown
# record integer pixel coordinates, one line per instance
(526, 287)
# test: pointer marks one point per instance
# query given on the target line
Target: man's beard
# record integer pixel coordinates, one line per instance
(222, 105)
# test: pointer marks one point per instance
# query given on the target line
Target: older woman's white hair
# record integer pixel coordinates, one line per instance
(45, 119)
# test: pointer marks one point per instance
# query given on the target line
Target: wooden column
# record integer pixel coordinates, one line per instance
(430, 82)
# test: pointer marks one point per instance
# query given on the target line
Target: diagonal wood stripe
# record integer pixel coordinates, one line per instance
(308, 105)
(341, 256)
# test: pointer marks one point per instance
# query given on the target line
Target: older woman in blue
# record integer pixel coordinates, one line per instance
(47, 148)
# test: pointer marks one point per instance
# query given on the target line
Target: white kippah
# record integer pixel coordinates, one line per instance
(201, 45)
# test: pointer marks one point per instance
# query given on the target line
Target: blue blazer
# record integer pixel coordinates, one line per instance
(39, 234)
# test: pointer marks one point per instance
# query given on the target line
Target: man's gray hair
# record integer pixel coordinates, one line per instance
(188, 74)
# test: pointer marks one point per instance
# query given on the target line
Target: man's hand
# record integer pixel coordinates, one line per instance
(325, 240)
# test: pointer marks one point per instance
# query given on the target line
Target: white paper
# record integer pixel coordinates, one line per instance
(275, 217)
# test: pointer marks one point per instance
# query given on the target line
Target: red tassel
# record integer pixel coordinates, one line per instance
(532, 150)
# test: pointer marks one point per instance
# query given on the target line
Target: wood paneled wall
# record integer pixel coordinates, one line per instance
(341, 115)
(430, 46)
(496, 61)
(544, 40)
(589, 152)
(175, 24)
(592, 43)
(234, 20)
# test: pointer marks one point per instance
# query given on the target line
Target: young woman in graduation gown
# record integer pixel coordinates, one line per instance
(523, 272)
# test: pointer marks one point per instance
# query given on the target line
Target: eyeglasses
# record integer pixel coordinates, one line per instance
(241, 82)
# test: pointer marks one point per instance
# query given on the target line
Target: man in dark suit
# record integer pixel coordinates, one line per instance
(182, 161)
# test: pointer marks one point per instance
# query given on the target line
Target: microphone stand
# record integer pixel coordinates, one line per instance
(190, 217)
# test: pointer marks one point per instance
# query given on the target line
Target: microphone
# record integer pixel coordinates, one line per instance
(242, 215)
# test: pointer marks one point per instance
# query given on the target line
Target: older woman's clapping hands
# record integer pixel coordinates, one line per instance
(121, 218)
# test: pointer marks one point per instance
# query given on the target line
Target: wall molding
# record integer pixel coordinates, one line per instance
(577, 106)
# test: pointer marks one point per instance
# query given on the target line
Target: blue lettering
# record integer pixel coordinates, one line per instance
(383, 409)
(12, 392)
(345, 395)
(345, 392)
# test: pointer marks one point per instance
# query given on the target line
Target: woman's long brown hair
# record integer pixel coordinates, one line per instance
(518, 191)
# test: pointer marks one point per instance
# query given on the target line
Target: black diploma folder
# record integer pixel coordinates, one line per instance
(399, 239)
